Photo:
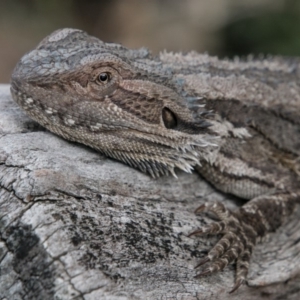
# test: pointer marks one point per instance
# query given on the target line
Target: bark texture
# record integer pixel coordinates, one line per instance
(77, 225)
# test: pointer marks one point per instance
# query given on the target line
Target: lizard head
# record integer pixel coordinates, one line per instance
(121, 102)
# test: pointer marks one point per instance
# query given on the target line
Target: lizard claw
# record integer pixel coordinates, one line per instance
(196, 232)
(204, 273)
(202, 262)
(199, 209)
(236, 244)
(237, 284)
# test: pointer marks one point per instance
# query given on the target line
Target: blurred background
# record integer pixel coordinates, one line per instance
(219, 27)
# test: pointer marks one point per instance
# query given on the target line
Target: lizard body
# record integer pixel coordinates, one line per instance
(236, 122)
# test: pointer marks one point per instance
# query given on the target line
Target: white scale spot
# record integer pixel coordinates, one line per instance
(69, 121)
(29, 100)
(96, 127)
(49, 111)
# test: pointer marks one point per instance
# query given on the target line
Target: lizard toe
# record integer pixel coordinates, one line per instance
(212, 228)
(216, 208)
(236, 245)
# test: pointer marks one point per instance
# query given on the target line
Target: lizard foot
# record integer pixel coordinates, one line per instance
(237, 243)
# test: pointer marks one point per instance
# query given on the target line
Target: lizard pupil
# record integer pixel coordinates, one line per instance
(103, 77)
(169, 118)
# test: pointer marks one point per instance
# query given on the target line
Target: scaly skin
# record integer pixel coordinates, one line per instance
(236, 122)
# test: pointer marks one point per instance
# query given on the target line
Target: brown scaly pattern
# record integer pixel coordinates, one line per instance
(236, 122)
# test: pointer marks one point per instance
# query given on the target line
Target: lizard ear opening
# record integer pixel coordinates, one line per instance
(169, 118)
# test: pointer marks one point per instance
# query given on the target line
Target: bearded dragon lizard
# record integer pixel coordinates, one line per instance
(236, 122)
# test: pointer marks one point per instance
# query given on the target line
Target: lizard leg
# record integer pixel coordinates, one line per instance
(241, 230)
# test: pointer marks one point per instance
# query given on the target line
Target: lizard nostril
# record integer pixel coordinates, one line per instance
(169, 118)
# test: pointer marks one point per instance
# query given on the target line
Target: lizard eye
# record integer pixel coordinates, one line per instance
(104, 77)
(169, 118)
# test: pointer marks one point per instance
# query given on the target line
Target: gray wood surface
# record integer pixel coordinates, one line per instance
(77, 225)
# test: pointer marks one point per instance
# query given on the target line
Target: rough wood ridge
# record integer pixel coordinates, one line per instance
(236, 122)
